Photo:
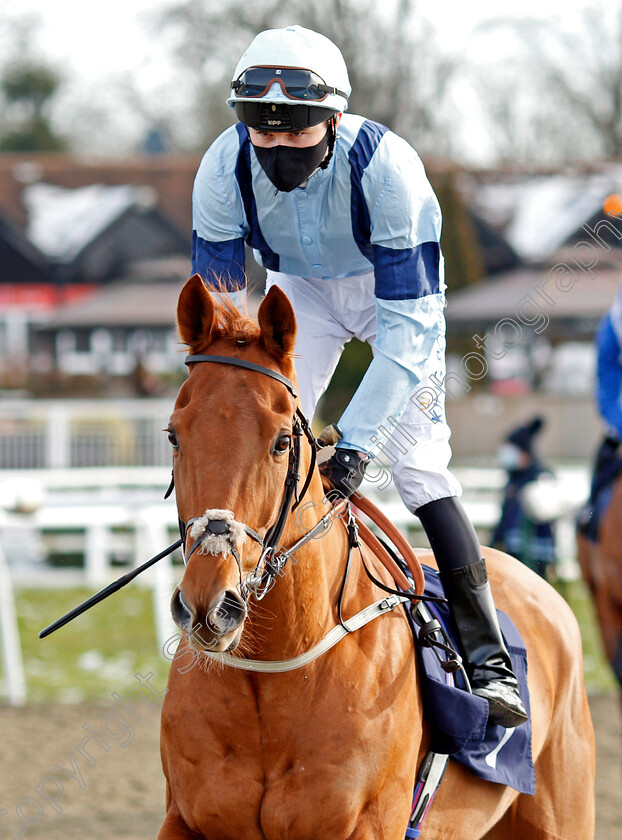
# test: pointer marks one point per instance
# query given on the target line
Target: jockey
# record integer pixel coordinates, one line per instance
(609, 371)
(339, 211)
(608, 463)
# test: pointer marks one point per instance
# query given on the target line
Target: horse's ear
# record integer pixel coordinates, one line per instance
(195, 314)
(278, 323)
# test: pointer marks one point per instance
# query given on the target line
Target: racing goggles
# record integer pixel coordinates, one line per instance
(296, 83)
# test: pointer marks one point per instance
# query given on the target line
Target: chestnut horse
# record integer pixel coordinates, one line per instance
(601, 567)
(329, 750)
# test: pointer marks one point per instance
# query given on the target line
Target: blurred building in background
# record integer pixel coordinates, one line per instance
(93, 254)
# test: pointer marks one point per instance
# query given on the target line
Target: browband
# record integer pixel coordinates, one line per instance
(229, 360)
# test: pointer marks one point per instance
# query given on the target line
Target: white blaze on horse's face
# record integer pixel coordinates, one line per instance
(231, 435)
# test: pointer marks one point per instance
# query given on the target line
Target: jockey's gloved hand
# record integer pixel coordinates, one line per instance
(345, 470)
(330, 436)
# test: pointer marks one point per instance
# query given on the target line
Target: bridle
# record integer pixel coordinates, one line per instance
(274, 557)
(219, 524)
(270, 563)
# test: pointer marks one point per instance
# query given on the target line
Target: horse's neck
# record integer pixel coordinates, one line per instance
(299, 609)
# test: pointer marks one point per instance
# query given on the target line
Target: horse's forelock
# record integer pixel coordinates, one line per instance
(233, 322)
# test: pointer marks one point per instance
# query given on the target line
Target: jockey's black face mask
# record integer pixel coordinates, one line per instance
(289, 167)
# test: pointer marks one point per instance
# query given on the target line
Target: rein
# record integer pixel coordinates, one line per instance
(220, 528)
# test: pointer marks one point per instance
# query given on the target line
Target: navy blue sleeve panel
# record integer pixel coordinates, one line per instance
(395, 215)
(244, 177)
(408, 273)
(220, 264)
(609, 375)
(360, 154)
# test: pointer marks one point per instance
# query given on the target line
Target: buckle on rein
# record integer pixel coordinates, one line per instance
(260, 583)
(275, 560)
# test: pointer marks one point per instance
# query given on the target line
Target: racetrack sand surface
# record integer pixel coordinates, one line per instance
(121, 794)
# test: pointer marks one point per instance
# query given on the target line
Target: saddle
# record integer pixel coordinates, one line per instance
(458, 718)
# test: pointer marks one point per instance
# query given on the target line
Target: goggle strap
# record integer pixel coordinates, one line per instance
(335, 91)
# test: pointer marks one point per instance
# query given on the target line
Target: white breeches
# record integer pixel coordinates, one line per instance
(328, 314)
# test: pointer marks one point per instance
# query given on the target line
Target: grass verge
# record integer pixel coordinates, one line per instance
(97, 653)
(102, 650)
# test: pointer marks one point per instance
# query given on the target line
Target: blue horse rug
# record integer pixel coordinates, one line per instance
(459, 719)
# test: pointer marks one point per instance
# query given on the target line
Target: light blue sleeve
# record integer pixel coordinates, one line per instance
(218, 218)
(407, 331)
(217, 209)
(403, 208)
(408, 267)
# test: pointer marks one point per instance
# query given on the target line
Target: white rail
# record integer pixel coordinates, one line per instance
(53, 434)
(12, 662)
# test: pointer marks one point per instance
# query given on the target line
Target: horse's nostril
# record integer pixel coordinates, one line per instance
(227, 614)
(180, 610)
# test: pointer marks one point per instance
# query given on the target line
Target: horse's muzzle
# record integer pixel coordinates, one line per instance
(214, 628)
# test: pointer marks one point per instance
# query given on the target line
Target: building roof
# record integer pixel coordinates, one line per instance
(566, 298)
(20, 259)
(171, 176)
(146, 296)
(61, 222)
(540, 213)
(91, 234)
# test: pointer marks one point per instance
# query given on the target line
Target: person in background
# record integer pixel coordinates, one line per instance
(526, 528)
(340, 212)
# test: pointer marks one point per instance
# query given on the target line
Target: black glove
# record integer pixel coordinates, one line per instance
(345, 470)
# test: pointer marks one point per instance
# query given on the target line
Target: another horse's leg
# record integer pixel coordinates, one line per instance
(174, 828)
(586, 562)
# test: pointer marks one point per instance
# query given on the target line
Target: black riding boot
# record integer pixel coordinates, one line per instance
(465, 580)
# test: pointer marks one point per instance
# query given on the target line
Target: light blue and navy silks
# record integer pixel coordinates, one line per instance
(371, 209)
(609, 400)
(459, 719)
(609, 368)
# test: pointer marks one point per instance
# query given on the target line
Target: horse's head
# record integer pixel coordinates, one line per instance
(231, 432)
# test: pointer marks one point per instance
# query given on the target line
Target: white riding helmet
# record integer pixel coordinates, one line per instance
(293, 67)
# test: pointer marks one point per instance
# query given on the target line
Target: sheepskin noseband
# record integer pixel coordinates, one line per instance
(219, 531)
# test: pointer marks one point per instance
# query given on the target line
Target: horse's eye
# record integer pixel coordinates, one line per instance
(282, 444)
(172, 438)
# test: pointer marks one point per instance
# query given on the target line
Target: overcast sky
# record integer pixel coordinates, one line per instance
(87, 33)
(99, 44)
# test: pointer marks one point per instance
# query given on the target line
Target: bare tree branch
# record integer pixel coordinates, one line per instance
(397, 73)
(576, 75)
